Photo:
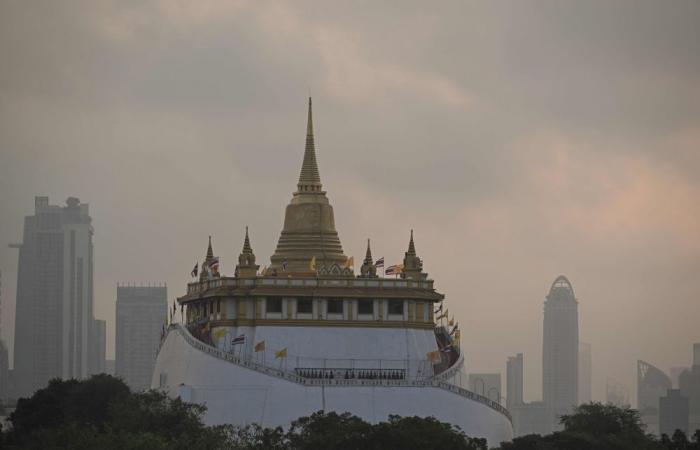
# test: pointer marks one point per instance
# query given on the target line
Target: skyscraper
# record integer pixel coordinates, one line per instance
(54, 314)
(689, 385)
(560, 350)
(97, 349)
(652, 383)
(585, 372)
(141, 314)
(4, 363)
(514, 381)
(673, 413)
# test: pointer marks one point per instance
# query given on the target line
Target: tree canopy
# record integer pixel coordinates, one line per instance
(597, 426)
(102, 413)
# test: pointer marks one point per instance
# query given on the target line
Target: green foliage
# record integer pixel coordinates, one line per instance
(595, 426)
(597, 419)
(328, 431)
(332, 431)
(103, 413)
(420, 433)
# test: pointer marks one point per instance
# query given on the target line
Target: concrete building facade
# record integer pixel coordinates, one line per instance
(674, 413)
(54, 312)
(4, 357)
(141, 315)
(514, 381)
(585, 373)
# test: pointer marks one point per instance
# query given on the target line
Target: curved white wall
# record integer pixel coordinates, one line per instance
(241, 396)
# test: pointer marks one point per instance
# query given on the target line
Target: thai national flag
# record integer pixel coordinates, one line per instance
(391, 270)
(238, 340)
(195, 270)
(214, 263)
(380, 262)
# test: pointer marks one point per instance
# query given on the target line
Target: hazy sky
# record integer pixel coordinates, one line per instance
(521, 140)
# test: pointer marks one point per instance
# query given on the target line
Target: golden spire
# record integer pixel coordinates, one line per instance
(309, 178)
(309, 224)
(247, 249)
(246, 267)
(368, 269)
(412, 264)
(210, 252)
(411, 246)
(368, 255)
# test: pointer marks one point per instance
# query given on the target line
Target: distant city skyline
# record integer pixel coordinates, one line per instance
(519, 141)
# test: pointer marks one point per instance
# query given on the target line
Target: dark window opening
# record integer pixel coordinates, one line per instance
(396, 307)
(365, 306)
(273, 305)
(304, 305)
(335, 307)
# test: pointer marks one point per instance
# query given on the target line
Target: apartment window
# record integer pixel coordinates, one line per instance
(335, 307)
(396, 307)
(365, 306)
(305, 305)
(218, 306)
(273, 305)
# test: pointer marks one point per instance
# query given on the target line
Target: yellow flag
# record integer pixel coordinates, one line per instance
(350, 262)
(260, 346)
(220, 332)
(312, 264)
(281, 354)
(452, 322)
(434, 357)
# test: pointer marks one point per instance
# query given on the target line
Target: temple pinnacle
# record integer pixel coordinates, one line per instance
(210, 252)
(368, 255)
(309, 178)
(411, 246)
(246, 243)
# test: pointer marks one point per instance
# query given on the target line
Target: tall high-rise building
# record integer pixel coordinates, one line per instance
(689, 385)
(673, 413)
(54, 313)
(560, 350)
(585, 372)
(141, 314)
(530, 417)
(514, 381)
(98, 346)
(652, 383)
(4, 361)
